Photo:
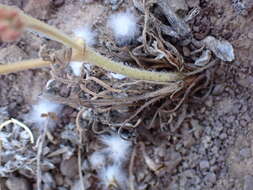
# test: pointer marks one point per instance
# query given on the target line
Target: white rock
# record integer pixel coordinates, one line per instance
(221, 48)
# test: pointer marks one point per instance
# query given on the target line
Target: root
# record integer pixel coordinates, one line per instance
(40, 143)
(79, 130)
(20, 124)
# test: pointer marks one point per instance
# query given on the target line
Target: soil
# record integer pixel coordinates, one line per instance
(212, 150)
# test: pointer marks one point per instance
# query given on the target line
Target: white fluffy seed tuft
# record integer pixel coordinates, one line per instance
(87, 34)
(43, 107)
(97, 160)
(76, 67)
(124, 27)
(113, 176)
(117, 148)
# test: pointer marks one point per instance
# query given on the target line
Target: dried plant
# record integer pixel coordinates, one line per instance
(13, 21)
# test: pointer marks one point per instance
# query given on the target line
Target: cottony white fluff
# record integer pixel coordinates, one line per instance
(113, 176)
(87, 34)
(97, 160)
(43, 107)
(117, 148)
(76, 67)
(124, 27)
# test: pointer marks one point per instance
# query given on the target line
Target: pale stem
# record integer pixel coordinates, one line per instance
(82, 54)
(23, 65)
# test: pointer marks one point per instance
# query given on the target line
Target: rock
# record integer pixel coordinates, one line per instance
(221, 48)
(178, 6)
(188, 141)
(186, 51)
(59, 180)
(218, 89)
(204, 164)
(245, 153)
(203, 59)
(69, 167)
(210, 178)
(250, 35)
(2, 184)
(18, 183)
(223, 136)
(71, 136)
(248, 182)
(193, 3)
(246, 81)
(38, 9)
(209, 102)
(48, 180)
(46, 166)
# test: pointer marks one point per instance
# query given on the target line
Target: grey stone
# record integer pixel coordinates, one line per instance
(204, 164)
(245, 153)
(218, 89)
(178, 6)
(18, 183)
(48, 180)
(193, 3)
(69, 167)
(210, 178)
(221, 48)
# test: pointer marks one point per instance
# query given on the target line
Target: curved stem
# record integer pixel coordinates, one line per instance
(92, 57)
(83, 54)
(23, 65)
(99, 60)
(51, 32)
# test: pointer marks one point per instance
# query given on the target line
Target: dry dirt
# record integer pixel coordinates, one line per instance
(213, 149)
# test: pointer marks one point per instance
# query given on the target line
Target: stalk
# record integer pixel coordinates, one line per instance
(82, 54)
(23, 65)
(91, 56)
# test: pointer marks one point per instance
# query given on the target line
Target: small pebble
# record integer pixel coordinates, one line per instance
(18, 183)
(245, 153)
(69, 167)
(210, 178)
(204, 164)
